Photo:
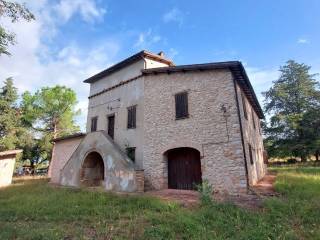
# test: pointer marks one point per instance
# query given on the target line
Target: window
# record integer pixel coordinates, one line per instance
(132, 117)
(181, 105)
(111, 120)
(94, 122)
(131, 153)
(250, 154)
(259, 126)
(253, 120)
(244, 106)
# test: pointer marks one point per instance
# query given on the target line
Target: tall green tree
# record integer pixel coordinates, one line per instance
(12, 132)
(15, 12)
(9, 117)
(291, 103)
(51, 113)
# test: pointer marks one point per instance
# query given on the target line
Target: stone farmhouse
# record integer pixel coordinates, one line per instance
(154, 125)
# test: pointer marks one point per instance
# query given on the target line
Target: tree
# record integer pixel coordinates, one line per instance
(15, 12)
(51, 113)
(12, 132)
(9, 116)
(291, 103)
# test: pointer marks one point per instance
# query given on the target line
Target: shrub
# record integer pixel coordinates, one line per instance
(291, 161)
(205, 189)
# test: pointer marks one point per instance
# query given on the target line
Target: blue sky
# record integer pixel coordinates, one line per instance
(73, 39)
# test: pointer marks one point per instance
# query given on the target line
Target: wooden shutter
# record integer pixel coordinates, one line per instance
(111, 120)
(181, 100)
(250, 154)
(253, 120)
(132, 117)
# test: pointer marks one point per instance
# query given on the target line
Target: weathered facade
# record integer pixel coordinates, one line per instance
(178, 125)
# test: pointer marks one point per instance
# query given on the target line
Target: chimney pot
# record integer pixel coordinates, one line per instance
(161, 54)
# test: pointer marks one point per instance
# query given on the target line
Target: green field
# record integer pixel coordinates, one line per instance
(34, 210)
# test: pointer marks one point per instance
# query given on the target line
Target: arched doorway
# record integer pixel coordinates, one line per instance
(184, 168)
(92, 170)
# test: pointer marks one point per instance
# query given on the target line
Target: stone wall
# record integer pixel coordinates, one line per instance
(215, 134)
(252, 135)
(62, 151)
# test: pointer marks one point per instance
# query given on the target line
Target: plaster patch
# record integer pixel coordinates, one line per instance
(110, 164)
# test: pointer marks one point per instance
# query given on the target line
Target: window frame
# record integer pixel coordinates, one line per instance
(94, 126)
(253, 119)
(182, 114)
(244, 106)
(133, 123)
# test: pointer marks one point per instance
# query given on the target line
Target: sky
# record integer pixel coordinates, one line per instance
(71, 40)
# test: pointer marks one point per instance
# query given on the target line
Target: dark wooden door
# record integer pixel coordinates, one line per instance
(184, 168)
(111, 126)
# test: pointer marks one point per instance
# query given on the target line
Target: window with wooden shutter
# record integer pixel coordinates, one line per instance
(132, 117)
(181, 100)
(94, 122)
(253, 120)
(244, 106)
(250, 154)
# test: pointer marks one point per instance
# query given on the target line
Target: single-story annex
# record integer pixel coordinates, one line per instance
(154, 125)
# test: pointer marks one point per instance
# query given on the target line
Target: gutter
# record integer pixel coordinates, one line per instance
(241, 131)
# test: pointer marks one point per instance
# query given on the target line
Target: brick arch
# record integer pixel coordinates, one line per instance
(182, 144)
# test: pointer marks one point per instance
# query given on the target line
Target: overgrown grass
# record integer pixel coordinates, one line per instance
(33, 210)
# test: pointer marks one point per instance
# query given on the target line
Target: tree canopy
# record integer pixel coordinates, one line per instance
(15, 12)
(51, 113)
(293, 104)
(36, 120)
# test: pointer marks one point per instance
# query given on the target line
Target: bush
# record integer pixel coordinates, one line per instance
(205, 189)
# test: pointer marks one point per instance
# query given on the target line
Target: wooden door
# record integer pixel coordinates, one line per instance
(111, 120)
(184, 168)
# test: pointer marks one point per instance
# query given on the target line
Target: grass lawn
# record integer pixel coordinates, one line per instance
(33, 210)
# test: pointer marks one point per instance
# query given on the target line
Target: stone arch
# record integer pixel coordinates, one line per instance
(92, 171)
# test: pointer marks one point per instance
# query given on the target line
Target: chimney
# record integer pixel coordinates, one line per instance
(161, 54)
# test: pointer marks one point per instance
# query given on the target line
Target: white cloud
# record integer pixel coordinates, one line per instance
(146, 39)
(174, 15)
(33, 65)
(172, 53)
(302, 41)
(87, 9)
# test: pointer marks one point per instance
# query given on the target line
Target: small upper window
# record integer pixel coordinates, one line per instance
(131, 153)
(181, 100)
(94, 122)
(132, 117)
(250, 154)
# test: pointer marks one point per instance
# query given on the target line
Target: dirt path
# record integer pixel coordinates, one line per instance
(253, 200)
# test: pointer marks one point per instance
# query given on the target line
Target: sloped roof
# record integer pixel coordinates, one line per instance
(126, 62)
(235, 67)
